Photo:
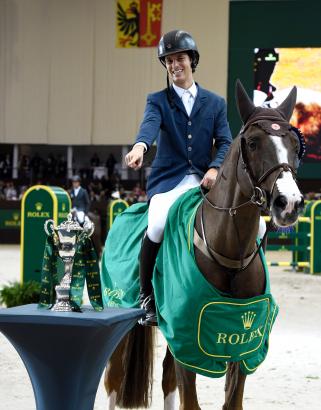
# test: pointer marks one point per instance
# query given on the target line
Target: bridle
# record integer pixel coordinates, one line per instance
(259, 196)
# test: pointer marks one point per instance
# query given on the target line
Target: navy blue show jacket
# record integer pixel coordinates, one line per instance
(184, 143)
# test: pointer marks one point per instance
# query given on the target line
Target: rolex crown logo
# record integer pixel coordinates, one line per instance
(63, 207)
(15, 216)
(39, 206)
(248, 319)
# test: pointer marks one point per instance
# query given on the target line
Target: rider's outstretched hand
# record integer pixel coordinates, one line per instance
(134, 159)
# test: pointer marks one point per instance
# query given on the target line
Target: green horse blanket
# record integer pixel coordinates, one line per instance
(204, 329)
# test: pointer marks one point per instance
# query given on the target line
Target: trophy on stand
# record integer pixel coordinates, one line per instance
(66, 239)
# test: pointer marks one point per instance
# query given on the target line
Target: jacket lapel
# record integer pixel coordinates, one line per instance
(199, 101)
(177, 101)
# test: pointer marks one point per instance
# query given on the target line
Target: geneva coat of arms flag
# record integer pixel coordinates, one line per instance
(138, 23)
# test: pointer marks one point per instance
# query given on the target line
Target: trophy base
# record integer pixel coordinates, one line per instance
(62, 306)
(63, 299)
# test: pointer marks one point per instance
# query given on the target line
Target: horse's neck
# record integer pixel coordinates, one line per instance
(228, 234)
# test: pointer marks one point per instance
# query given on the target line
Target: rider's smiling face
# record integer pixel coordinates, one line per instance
(179, 68)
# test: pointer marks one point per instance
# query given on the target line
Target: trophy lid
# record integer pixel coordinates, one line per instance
(69, 225)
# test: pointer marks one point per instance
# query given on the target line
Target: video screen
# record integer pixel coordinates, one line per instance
(276, 71)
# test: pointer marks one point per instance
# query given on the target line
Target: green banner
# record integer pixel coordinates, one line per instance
(10, 219)
(39, 203)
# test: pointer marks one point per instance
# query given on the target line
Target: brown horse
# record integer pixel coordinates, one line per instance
(258, 174)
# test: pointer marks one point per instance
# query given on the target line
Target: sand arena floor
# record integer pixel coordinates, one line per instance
(290, 378)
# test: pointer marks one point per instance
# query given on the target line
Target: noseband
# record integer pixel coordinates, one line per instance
(259, 196)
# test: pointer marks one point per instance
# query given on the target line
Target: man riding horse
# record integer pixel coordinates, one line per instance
(221, 325)
(185, 119)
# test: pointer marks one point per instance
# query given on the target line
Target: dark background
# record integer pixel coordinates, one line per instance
(269, 24)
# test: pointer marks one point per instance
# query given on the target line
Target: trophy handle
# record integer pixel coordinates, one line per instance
(89, 228)
(49, 224)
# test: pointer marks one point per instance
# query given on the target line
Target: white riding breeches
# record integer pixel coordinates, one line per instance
(160, 203)
(262, 228)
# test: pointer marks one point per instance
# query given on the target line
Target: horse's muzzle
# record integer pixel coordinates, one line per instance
(286, 209)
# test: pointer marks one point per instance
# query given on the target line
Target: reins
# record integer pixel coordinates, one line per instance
(258, 198)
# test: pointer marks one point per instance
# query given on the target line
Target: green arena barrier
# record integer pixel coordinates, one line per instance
(39, 203)
(115, 208)
(304, 242)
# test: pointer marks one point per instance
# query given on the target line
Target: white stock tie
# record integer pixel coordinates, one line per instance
(187, 99)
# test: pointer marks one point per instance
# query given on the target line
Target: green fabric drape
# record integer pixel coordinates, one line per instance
(203, 328)
(49, 273)
(119, 266)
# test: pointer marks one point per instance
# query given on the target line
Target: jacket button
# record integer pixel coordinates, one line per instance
(189, 123)
(189, 148)
(190, 161)
(189, 136)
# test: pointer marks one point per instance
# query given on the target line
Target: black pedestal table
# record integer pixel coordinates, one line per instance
(65, 353)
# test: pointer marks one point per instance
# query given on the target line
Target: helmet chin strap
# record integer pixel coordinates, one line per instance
(168, 92)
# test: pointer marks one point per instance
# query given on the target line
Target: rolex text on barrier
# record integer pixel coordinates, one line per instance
(39, 203)
(69, 261)
(10, 222)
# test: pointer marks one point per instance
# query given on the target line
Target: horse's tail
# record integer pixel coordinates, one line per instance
(138, 359)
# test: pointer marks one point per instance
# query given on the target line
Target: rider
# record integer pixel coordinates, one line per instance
(185, 119)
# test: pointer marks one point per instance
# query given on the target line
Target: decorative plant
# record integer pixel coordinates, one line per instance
(16, 294)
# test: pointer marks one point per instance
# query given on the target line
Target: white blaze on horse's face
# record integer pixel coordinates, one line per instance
(289, 202)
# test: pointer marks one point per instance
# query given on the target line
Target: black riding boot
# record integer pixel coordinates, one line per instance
(147, 260)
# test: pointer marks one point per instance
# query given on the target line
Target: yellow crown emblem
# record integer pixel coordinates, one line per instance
(63, 207)
(248, 319)
(39, 206)
(15, 217)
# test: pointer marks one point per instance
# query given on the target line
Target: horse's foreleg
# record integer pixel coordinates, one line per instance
(114, 374)
(186, 382)
(234, 388)
(169, 383)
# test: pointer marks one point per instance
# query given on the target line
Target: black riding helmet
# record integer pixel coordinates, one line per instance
(177, 41)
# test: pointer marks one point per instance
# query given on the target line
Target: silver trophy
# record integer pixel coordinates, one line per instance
(66, 235)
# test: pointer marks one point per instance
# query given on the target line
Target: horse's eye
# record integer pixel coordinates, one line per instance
(252, 145)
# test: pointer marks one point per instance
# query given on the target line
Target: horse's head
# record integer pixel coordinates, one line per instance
(270, 152)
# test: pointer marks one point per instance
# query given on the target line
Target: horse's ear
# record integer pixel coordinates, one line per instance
(243, 102)
(287, 106)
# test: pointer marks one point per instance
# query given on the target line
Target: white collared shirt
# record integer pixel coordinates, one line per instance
(76, 191)
(187, 96)
(180, 91)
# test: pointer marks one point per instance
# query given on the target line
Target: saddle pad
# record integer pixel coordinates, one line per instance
(203, 328)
